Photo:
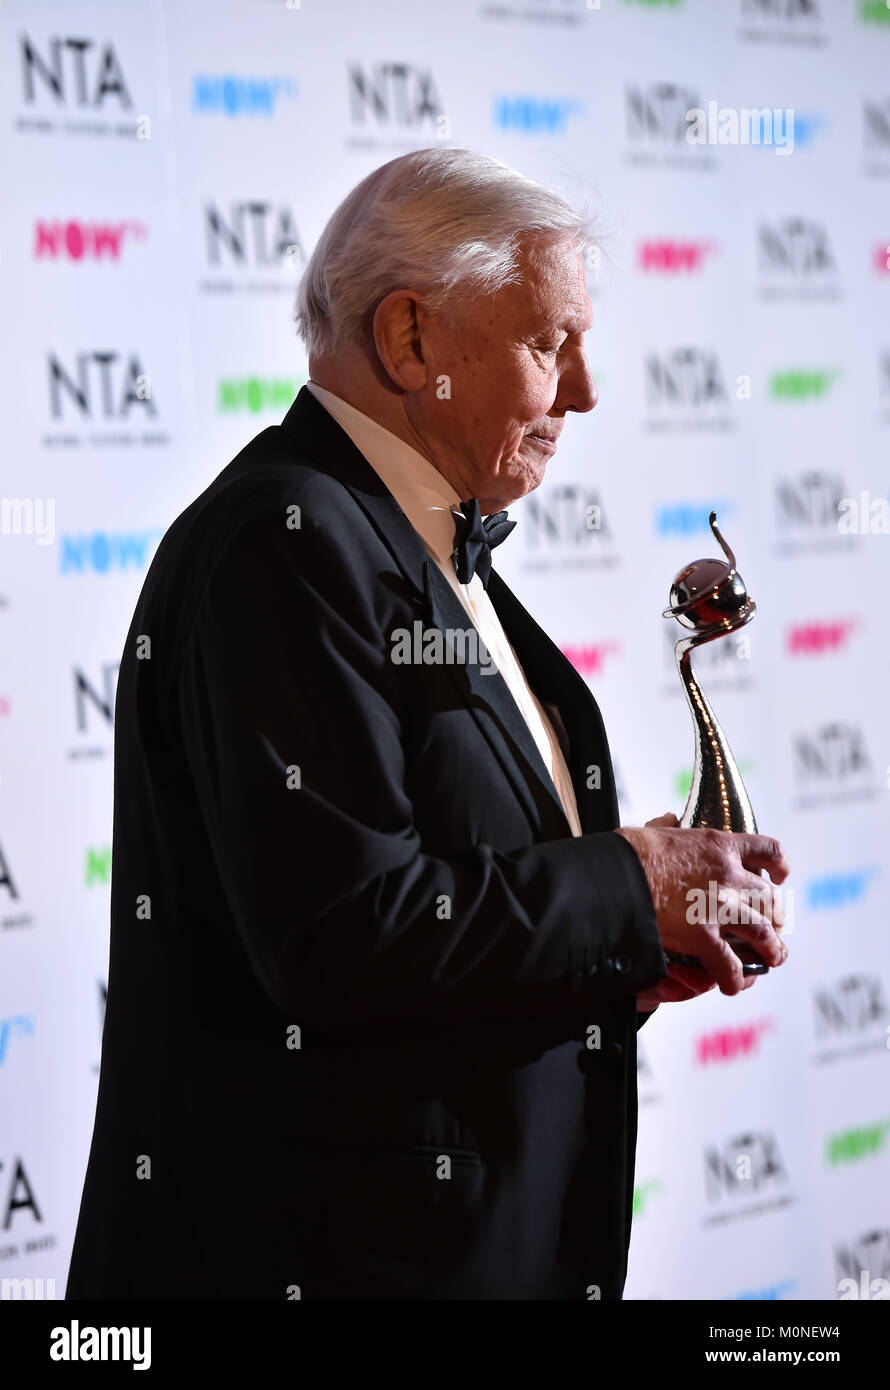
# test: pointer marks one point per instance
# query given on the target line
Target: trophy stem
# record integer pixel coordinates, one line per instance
(717, 798)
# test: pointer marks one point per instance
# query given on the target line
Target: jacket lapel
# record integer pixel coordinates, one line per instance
(556, 682)
(487, 696)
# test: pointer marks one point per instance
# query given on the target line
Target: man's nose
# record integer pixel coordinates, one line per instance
(577, 388)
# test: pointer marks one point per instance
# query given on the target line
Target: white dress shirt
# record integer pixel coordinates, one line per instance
(430, 503)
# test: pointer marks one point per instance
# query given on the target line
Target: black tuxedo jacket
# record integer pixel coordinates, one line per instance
(370, 1028)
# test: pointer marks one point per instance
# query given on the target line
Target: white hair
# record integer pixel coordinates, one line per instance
(446, 222)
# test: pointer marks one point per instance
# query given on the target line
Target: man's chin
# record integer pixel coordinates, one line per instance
(529, 476)
(525, 474)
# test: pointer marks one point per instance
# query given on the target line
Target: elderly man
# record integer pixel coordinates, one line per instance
(379, 949)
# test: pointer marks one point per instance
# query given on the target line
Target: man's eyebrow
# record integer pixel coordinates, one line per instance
(576, 326)
(570, 324)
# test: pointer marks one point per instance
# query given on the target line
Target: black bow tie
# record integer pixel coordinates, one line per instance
(475, 540)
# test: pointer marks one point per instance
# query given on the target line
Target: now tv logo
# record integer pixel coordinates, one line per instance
(590, 658)
(817, 638)
(84, 241)
(668, 256)
(728, 1044)
(102, 551)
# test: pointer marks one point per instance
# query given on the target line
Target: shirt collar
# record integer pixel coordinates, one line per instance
(423, 493)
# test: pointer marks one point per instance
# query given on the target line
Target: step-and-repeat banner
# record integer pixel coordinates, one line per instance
(167, 169)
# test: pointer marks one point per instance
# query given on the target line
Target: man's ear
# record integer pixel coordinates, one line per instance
(398, 321)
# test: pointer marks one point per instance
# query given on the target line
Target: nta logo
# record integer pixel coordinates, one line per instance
(567, 516)
(795, 246)
(394, 94)
(102, 385)
(658, 112)
(863, 1266)
(255, 233)
(833, 754)
(73, 71)
(744, 1165)
(849, 1007)
(686, 377)
(809, 502)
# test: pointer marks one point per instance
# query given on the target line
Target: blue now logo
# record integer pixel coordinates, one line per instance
(228, 95)
(535, 115)
(799, 128)
(806, 127)
(769, 1292)
(839, 890)
(105, 550)
(21, 1025)
(690, 518)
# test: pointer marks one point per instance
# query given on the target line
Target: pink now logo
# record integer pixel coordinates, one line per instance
(84, 241)
(669, 256)
(590, 659)
(728, 1044)
(817, 637)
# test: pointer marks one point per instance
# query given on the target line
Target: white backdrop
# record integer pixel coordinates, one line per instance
(170, 166)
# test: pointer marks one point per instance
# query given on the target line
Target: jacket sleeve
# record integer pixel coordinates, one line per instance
(289, 710)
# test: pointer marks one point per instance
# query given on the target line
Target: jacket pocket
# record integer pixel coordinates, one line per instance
(417, 1204)
(427, 1154)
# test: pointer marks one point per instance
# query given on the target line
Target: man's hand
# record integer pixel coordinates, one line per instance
(685, 982)
(676, 861)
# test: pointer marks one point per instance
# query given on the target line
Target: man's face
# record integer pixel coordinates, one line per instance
(516, 364)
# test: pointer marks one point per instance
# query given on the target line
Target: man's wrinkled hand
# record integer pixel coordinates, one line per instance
(677, 862)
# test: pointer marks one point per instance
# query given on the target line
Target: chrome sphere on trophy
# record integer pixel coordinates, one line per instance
(710, 598)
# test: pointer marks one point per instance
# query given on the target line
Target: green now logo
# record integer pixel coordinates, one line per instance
(802, 385)
(849, 1145)
(643, 1191)
(98, 865)
(874, 11)
(256, 393)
